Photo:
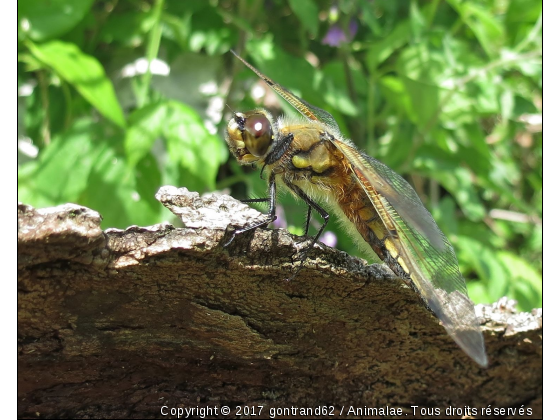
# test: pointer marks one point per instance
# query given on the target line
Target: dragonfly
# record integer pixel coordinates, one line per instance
(310, 158)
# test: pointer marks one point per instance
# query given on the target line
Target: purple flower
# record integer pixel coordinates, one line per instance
(335, 35)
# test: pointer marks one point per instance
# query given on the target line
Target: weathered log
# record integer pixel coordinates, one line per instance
(122, 323)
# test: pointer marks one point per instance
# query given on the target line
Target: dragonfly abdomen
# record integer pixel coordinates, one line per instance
(361, 213)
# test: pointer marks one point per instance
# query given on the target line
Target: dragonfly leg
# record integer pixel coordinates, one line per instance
(271, 210)
(255, 200)
(322, 212)
(307, 220)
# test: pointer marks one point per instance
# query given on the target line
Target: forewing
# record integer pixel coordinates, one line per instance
(309, 111)
(429, 257)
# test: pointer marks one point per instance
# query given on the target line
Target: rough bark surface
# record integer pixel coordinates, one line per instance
(120, 323)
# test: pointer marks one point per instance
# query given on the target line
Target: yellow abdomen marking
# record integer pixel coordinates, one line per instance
(378, 228)
(391, 247)
(403, 265)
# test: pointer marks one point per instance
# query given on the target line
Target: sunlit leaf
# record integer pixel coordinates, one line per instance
(85, 73)
(520, 19)
(484, 25)
(145, 126)
(383, 48)
(457, 180)
(61, 172)
(197, 152)
(483, 261)
(524, 280)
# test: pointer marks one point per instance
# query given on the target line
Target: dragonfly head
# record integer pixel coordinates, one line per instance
(250, 135)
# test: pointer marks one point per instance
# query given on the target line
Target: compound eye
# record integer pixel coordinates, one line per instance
(258, 125)
(258, 134)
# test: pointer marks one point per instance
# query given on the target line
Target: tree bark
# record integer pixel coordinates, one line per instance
(120, 323)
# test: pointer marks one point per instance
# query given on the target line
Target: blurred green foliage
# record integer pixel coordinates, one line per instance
(446, 92)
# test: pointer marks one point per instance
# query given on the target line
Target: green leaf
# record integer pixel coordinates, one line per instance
(417, 21)
(485, 94)
(422, 69)
(308, 14)
(177, 29)
(335, 89)
(445, 214)
(61, 172)
(520, 19)
(148, 179)
(483, 260)
(190, 146)
(384, 47)
(501, 178)
(423, 63)
(446, 169)
(291, 72)
(484, 25)
(478, 293)
(145, 126)
(393, 148)
(83, 166)
(473, 149)
(462, 188)
(368, 16)
(127, 28)
(83, 72)
(395, 93)
(42, 20)
(525, 281)
(507, 104)
(425, 100)
(193, 154)
(115, 190)
(209, 32)
(501, 273)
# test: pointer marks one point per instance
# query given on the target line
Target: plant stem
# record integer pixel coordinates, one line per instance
(45, 124)
(151, 53)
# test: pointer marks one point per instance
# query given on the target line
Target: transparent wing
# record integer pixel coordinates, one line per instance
(430, 259)
(309, 111)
